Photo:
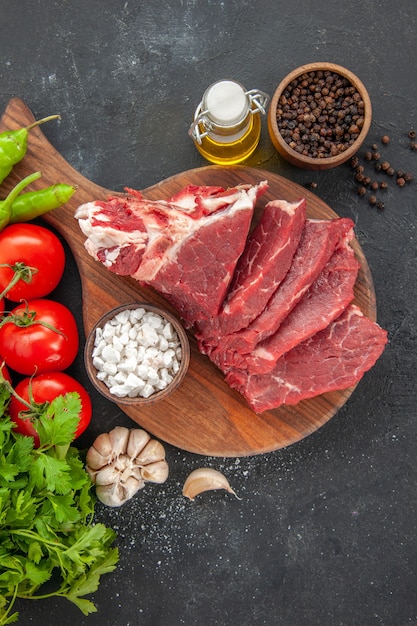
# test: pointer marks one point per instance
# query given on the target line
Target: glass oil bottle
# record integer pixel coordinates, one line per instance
(227, 123)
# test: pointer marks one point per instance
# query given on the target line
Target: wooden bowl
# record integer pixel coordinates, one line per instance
(306, 161)
(138, 400)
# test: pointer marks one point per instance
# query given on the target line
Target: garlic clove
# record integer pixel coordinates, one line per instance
(152, 452)
(205, 479)
(138, 439)
(117, 494)
(96, 460)
(155, 472)
(119, 438)
(101, 452)
(108, 474)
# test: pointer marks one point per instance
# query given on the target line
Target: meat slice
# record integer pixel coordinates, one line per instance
(333, 359)
(185, 247)
(318, 241)
(323, 302)
(261, 268)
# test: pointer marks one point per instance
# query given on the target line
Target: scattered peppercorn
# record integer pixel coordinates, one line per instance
(408, 177)
(372, 200)
(361, 190)
(354, 162)
(312, 185)
(380, 206)
(368, 156)
(378, 167)
(383, 185)
(385, 166)
(374, 185)
(400, 174)
(360, 169)
(400, 181)
(390, 171)
(411, 134)
(385, 140)
(367, 181)
(376, 156)
(374, 147)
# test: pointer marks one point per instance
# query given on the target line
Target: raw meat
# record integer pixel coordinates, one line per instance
(261, 268)
(324, 301)
(185, 247)
(335, 358)
(318, 241)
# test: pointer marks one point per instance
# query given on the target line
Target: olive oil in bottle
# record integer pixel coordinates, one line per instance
(227, 124)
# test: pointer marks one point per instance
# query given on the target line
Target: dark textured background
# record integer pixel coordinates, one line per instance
(324, 532)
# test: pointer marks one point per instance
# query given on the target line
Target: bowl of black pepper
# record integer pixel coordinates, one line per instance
(319, 116)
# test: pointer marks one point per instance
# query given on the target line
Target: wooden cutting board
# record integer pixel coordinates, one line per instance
(204, 415)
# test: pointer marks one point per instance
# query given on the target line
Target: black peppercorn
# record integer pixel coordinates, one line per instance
(376, 156)
(385, 140)
(383, 185)
(374, 185)
(390, 171)
(380, 206)
(411, 134)
(361, 190)
(372, 200)
(408, 177)
(385, 166)
(328, 113)
(368, 156)
(400, 181)
(354, 162)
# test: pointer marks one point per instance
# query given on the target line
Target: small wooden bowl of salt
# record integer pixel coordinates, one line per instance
(136, 354)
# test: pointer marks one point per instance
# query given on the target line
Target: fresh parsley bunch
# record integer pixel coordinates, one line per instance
(46, 513)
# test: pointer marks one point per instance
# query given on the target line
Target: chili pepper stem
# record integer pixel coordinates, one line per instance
(42, 121)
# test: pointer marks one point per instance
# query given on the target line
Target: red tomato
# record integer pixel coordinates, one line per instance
(30, 246)
(44, 388)
(48, 342)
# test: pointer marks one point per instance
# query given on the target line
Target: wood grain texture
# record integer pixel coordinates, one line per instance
(203, 415)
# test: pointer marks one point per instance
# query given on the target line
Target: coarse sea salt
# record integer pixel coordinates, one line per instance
(136, 353)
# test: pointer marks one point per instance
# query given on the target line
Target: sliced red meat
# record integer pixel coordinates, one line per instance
(323, 302)
(261, 268)
(187, 252)
(318, 241)
(333, 359)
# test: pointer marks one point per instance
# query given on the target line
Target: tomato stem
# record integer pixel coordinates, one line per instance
(28, 318)
(21, 272)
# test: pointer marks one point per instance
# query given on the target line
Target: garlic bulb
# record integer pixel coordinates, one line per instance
(205, 479)
(121, 461)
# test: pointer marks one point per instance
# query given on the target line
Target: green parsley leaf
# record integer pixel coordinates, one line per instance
(46, 511)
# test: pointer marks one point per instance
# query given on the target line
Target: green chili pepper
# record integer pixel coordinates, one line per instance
(32, 204)
(6, 204)
(13, 146)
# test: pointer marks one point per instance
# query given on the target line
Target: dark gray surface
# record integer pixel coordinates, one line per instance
(324, 532)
